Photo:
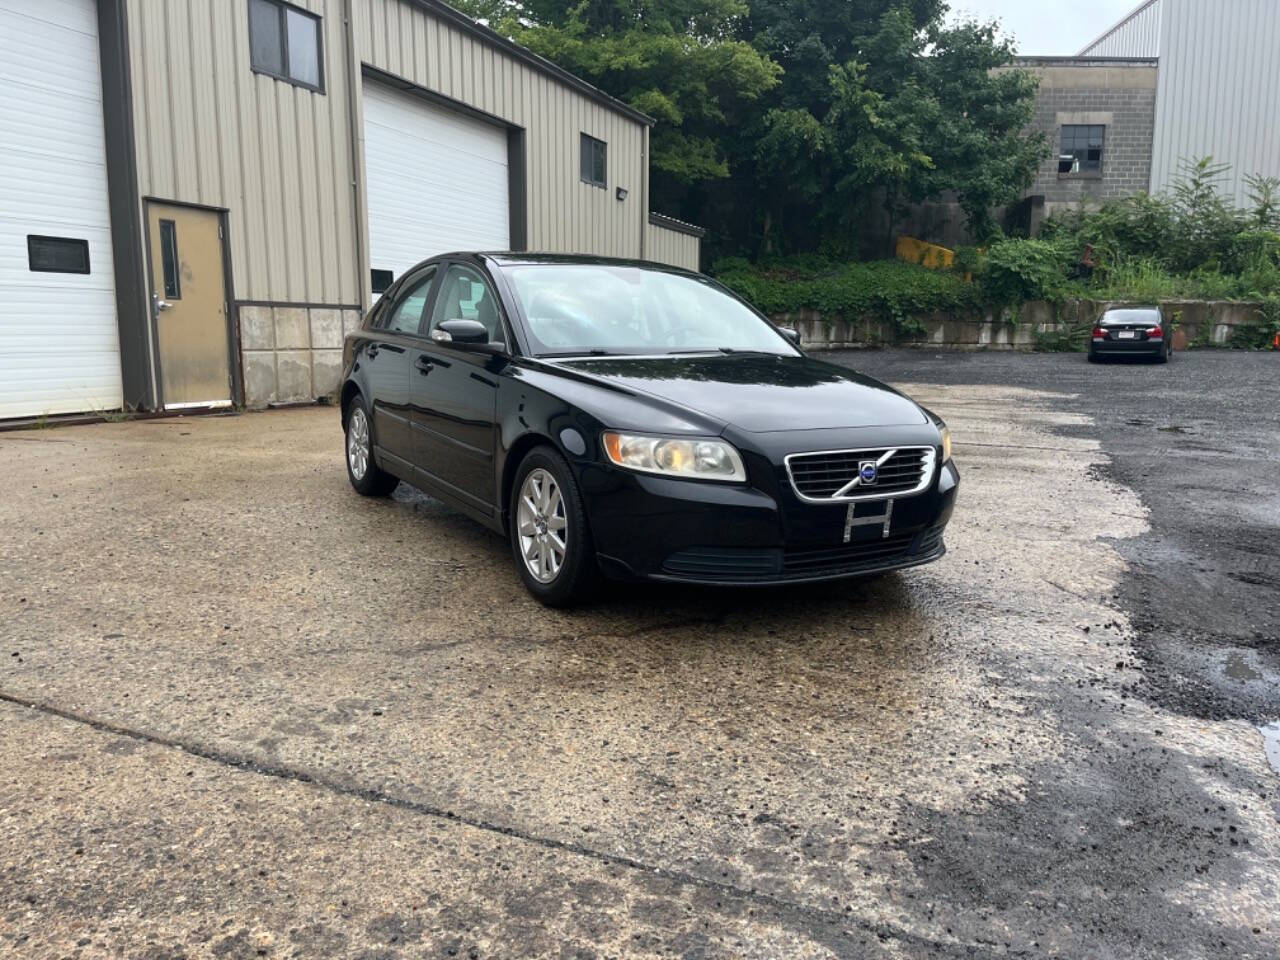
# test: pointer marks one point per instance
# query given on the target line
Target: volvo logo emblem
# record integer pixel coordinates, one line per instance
(868, 472)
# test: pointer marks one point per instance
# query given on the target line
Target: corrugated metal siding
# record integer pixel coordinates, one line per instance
(564, 214)
(672, 247)
(1219, 89)
(211, 131)
(1138, 35)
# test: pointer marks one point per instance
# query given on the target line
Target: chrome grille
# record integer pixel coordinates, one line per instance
(835, 474)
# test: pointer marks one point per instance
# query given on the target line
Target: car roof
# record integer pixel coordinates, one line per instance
(504, 258)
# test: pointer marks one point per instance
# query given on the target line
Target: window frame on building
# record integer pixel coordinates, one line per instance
(46, 254)
(587, 156)
(285, 73)
(1082, 144)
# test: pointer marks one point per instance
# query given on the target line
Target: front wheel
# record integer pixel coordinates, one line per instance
(365, 475)
(550, 539)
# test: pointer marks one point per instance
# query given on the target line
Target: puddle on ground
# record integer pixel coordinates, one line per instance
(1237, 669)
(1174, 429)
(1271, 744)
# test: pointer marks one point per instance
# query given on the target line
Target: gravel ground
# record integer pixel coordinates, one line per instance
(1199, 442)
(244, 712)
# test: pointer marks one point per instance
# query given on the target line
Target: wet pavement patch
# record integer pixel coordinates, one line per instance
(273, 718)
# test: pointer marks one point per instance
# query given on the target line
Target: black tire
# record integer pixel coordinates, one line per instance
(1163, 355)
(1093, 357)
(577, 577)
(374, 481)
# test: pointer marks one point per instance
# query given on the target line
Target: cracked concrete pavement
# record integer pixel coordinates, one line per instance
(247, 713)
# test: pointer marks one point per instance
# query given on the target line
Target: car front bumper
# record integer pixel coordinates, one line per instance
(653, 528)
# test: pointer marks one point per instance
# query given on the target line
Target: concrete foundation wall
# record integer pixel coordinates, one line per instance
(292, 354)
(1207, 322)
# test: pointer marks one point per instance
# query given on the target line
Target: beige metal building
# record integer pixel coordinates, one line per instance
(229, 184)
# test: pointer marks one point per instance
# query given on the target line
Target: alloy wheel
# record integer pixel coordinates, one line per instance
(358, 442)
(542, 525)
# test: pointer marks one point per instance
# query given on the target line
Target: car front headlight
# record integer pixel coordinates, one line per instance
(946, 444)
(671, 457)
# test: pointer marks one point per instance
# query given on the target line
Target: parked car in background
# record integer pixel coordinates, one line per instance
(626, 419)
(1129, 332)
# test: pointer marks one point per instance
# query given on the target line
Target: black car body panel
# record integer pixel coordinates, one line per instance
(457, 422)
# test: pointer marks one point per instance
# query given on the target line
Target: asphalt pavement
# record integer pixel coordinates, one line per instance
(247, 713)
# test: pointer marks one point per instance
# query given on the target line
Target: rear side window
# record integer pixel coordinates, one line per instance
(406, 315)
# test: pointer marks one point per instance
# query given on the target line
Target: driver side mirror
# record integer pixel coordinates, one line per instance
(791, 333)
(465, 334)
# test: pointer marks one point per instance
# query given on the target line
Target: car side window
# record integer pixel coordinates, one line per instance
(406, 315)
(464, 295)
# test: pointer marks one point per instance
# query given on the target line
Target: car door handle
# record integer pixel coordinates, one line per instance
(424, 365)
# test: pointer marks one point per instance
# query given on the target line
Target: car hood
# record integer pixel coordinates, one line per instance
(758, 393)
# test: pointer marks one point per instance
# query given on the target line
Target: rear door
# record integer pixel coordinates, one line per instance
(386, 356)
(454, 393)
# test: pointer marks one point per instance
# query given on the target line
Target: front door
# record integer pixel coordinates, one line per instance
(188, 296)
(454, 395)
(387, 354)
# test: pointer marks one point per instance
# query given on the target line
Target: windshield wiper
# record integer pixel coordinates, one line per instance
(581, 353)
(726, 350)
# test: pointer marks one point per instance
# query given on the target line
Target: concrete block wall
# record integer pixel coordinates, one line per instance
(1199, 322)
(292, 354)
(1120, 96)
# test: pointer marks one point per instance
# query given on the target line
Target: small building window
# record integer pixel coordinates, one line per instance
(169, 259)
(57, 255)
(594, 165)
(284, 42)
(1081, 151)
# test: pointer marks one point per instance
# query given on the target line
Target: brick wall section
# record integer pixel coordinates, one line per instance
(1122, 94)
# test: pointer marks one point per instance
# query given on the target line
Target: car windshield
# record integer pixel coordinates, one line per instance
(601, 309)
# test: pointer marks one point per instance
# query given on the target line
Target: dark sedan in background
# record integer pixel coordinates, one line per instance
(640, 422)
(1131, 332)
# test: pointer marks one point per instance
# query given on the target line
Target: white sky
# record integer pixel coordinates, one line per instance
(1046, 27)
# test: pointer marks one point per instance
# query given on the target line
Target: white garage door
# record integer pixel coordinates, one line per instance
(437, 181)
(59, 347)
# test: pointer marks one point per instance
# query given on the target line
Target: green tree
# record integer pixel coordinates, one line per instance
(788, 125)
(677, 60)
(883, 104)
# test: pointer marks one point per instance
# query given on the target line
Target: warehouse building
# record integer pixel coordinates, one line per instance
(1175, 80)
(198, 200)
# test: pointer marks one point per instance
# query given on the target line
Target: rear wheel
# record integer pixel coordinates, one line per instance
(1165, 354)
(550, 540)
(1093, 357)
(365, 475)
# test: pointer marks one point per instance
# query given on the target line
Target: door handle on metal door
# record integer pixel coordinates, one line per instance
(372, 351)
(424, 365)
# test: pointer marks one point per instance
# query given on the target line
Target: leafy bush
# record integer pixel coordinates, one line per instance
(883, 289)
(1019, 270)
(1261, 333)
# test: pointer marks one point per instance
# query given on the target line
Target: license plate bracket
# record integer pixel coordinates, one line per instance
(870, 513)
(1126, 335)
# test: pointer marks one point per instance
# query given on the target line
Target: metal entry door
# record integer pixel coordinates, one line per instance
(188, 294)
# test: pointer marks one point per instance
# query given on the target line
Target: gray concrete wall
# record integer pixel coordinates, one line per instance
(292, 354)
(1119, 95)
(1211, 322)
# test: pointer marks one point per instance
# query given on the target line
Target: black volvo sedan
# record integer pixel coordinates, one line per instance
(636, 421)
